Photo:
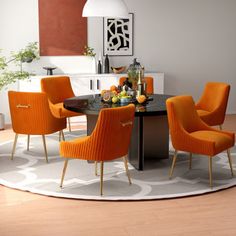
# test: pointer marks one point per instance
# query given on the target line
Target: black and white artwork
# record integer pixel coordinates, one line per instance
(118, 36)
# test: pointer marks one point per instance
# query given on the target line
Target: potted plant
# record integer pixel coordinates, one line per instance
(27, 54)
(7, 76)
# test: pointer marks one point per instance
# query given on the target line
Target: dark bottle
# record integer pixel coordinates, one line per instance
(107, 66)
(99, 67)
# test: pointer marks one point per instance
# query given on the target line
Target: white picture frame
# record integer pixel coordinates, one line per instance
(118, 36)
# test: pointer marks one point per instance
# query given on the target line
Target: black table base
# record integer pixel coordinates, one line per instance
(150, 139)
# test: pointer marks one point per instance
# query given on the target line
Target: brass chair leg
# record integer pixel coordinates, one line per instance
(45, 148)
(28, 142)
(101, 178)
(210, 171)
(96, 168)
(62, 135)
(220, 126)
(14, 146)
(230, 162)
(63, 172)
(127, 169)
(173, 164)
(69, 124)
(190, 160)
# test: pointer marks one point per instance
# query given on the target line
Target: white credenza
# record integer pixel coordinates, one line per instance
(83, 84)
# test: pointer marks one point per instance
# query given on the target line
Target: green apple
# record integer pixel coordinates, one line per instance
(115, 99)
(123, 93)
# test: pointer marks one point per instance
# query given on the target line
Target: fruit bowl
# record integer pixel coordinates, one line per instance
(125, 99)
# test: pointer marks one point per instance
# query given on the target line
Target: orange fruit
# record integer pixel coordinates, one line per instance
(114, 92)
(113, 87)
(141, 99)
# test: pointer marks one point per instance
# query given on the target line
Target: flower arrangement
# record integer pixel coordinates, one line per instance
(88, 51)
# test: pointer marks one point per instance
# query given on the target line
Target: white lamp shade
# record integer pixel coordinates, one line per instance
(105, 8)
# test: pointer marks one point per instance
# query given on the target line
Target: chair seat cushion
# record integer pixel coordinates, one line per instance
(220, 141)
(59, 111)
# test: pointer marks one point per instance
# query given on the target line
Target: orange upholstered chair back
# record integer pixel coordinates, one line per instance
(112, 134)
(30, 114)
(57, 88)
(215, 98)
(148, 81)
(182, 118)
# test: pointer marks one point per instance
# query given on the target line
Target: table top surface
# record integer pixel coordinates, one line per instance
(92, 104)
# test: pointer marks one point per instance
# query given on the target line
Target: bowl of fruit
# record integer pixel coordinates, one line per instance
(115, 95)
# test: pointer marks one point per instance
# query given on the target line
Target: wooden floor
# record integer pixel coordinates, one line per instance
(26, 214)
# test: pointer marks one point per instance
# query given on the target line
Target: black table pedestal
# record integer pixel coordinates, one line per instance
(149, 141)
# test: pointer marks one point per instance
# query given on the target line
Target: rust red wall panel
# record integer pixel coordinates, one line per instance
(62, 29)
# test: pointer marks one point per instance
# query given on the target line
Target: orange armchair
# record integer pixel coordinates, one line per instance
(190, 134)
(212, 105)
(30, 114)
(148, 80)
(58, 89)
(113, 124)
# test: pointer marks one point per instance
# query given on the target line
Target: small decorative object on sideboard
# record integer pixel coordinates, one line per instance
(49, 69)
(106, 69)
(99, 67)
(118, 70)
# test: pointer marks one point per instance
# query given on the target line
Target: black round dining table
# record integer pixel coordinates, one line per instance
(150, 136)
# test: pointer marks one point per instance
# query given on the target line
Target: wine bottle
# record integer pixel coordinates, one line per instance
(140, 85)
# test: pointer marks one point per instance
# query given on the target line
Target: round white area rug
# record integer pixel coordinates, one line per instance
(29, 171)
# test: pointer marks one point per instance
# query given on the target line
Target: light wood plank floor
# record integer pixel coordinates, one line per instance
(23, 213)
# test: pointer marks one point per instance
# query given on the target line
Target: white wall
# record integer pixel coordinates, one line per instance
(192, 41)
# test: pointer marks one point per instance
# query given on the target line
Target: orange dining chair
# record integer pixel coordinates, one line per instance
(30, 114)
(58, 89)
(190, 134)
(112, 124)
(212, 105)
(147, 80)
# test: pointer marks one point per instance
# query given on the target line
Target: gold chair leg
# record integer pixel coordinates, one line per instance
(173, 164)
(220, 126)
(28, 142)
(45, 148)
(14, 146)
(210, 171)
(190, 160)
(127, 169)
(62, 135)
(63, 172)
(96, 168)
(230, 162)
(101, 178)
(69, 124)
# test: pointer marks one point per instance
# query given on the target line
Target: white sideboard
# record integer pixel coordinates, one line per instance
(83, 84)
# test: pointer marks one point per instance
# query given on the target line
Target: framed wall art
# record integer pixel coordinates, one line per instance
(118, 36)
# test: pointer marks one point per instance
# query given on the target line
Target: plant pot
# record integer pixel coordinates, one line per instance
(2, 121)
(27, 59)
